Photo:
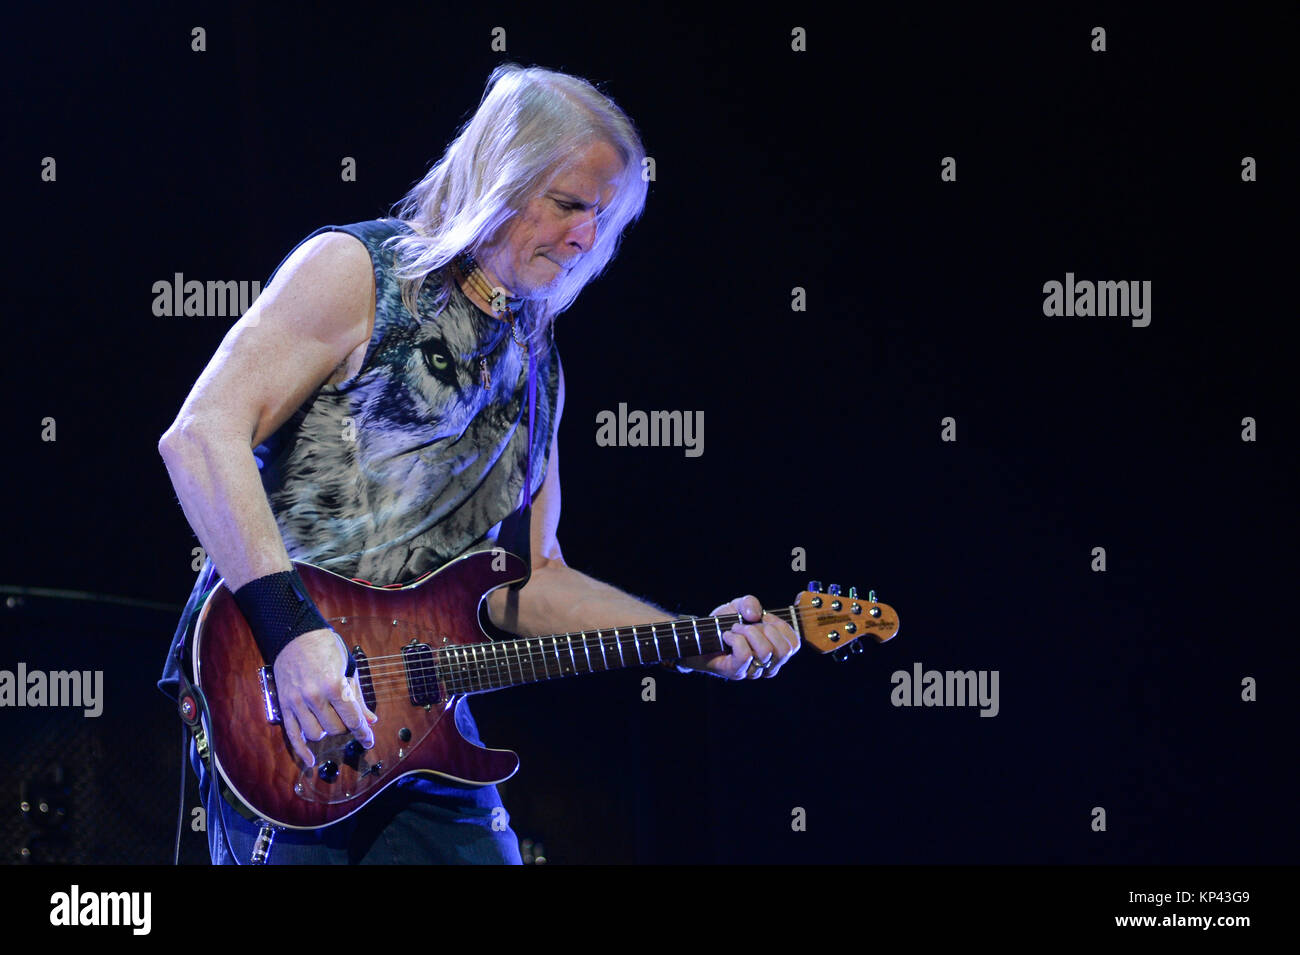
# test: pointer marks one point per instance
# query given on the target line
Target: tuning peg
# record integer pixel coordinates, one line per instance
(840, 655)
(833, 590)
(815, 586)
(855, 647)
(853, 593)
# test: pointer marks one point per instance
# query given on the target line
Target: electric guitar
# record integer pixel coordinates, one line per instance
(420, 649)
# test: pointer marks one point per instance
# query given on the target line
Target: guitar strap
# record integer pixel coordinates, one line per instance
(515, 535)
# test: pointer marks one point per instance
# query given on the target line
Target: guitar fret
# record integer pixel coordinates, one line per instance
(603, 660)
(453, 676)
(439, 668)
(453, 654)
(462, 668)
(636, 642)
(555, 642)
(587, 652)
(677, 645)
(695, 625)
(475, 676)
(618, 642)
(794, 625)
(572, 658)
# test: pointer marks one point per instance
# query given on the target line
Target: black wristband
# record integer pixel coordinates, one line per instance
(278, 609)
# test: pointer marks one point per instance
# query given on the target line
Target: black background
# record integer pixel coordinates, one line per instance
(774, 169)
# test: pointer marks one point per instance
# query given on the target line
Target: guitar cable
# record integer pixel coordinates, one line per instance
(180, 812)
(203, 718)
(215, 780)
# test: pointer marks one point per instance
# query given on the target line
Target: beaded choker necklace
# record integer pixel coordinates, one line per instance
(498, 299)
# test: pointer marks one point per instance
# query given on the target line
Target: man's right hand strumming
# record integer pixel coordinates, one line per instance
(316, 698)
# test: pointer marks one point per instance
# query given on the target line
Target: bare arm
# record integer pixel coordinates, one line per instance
(308, 327)
(306, 323)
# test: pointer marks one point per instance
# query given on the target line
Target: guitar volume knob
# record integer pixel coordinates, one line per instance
(329, 771)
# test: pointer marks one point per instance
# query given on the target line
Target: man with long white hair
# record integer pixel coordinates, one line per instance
(367, 415)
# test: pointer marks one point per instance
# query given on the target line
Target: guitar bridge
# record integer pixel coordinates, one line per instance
(270, 702)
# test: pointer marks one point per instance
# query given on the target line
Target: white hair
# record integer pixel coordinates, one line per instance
(530, 125)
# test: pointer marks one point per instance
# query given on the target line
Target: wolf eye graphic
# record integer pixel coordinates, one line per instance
(437, 358)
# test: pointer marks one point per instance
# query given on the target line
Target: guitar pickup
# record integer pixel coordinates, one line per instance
(270, 702)
(421, 680)
(363, 675)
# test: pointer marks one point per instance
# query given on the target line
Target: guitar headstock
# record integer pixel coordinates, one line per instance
(834, 623)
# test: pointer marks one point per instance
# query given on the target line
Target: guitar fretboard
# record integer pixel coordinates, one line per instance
(479, 667)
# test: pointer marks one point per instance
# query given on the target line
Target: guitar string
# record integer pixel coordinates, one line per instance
(469, 668)
(493, 668)
(399, 660)
(491, 663)
(535, 646)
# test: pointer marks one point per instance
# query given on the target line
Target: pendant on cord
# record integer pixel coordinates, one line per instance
(484, 375)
